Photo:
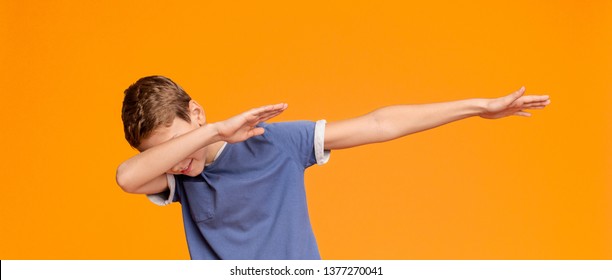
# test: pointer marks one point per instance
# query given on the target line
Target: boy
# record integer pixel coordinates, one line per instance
(240, 181)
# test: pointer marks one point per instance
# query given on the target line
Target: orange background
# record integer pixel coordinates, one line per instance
(517, 188)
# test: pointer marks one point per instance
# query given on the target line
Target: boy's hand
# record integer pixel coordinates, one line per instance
(513, 104)
(243, 126)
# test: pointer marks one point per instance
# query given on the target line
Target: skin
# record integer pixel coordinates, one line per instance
(186, 147)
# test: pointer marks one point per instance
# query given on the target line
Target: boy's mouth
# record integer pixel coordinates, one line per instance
(188, 168)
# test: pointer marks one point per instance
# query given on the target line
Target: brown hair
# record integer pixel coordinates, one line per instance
(150, 102)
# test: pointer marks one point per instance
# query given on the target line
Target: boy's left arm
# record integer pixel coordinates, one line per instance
(392, 122)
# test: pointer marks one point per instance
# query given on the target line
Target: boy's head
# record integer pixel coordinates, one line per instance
(150, 103)
(155, 110)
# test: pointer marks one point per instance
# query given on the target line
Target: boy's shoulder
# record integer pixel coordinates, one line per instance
(288, 124)
(294, 134)
(303, 139)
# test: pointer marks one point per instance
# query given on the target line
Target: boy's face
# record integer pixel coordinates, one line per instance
(194, 164)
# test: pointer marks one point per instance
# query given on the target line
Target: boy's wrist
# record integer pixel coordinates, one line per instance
(211, 131)
(478, 106)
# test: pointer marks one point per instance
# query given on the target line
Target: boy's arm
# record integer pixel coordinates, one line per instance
(392, 122)
(145, 172)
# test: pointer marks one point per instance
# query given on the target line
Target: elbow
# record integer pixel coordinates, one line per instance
(123, 179)
(380, 126)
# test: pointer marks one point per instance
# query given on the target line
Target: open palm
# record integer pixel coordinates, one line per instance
(244, 126)
(514, 104)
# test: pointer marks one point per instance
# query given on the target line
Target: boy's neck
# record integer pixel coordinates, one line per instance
(212, 151)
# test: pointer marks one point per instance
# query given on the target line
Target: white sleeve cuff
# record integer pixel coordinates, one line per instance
(166, 197)
(321, 154)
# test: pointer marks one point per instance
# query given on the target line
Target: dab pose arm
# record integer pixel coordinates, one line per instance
(145, 172)
(396, 121)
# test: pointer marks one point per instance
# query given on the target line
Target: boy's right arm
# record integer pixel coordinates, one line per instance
(144, 173)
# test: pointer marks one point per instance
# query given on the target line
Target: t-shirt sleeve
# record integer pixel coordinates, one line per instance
(321, 155)
(166, 197)
(303, 140)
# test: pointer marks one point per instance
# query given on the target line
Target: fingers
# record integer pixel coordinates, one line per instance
(522, 114)
(279, 106)
(534, 108)
(515, 95)
(518, 96)
(533, 102)
(268, 108)
(256, 131)
(264, 113)
(536, 105)
(535, 98)
(276, 108)
(270, 114)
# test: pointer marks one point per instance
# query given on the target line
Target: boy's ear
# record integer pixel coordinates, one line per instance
(196, 112)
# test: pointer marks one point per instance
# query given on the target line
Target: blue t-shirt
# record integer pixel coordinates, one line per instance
(250, 203)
